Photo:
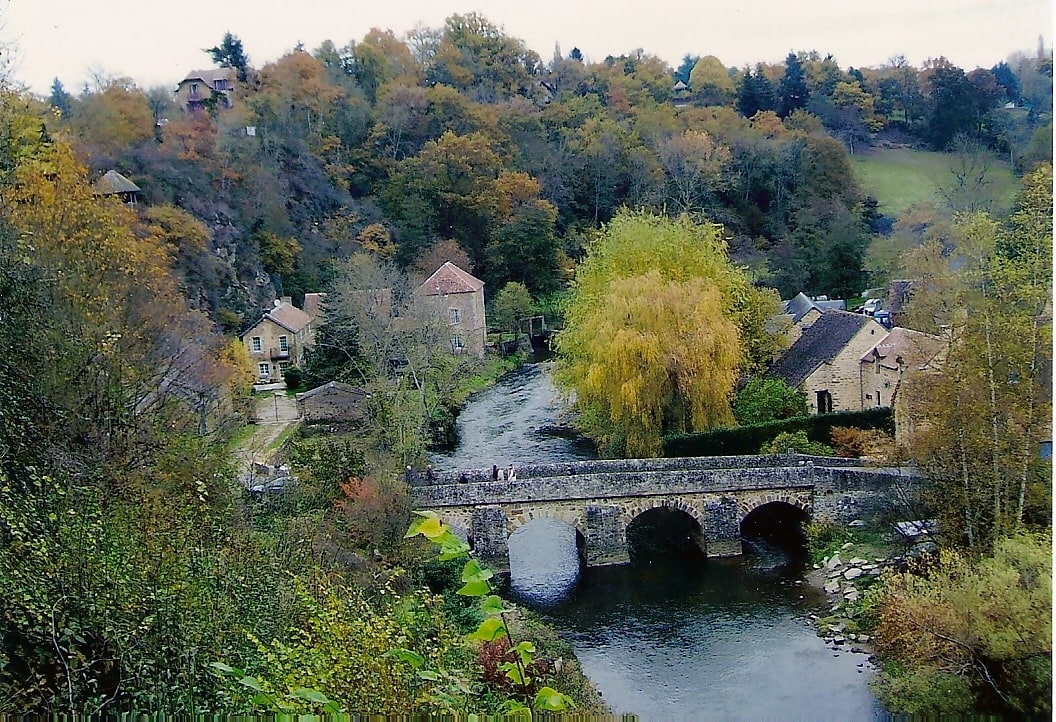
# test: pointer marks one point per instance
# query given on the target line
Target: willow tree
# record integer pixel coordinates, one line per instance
(658, 329)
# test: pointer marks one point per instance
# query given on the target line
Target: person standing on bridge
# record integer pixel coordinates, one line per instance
(511, 474)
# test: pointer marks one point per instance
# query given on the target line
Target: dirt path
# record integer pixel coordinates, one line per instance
(274, 412)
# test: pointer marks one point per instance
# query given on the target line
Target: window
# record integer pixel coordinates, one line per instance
(878, 397)
(284, 344)
(824, 402)
(455, 314)
(257, 345)
(194, 90)
(264, 369)
(457, 344)
(283, 365)
(220, 84)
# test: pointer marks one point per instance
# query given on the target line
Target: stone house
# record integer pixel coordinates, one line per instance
(278, 340)
(458, 299)
(888, 368)
(199, 87)
(825, 360)
(802, 310)
(334, 403)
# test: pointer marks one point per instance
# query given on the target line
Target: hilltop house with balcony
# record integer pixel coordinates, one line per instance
(199, 88)
(278, 340)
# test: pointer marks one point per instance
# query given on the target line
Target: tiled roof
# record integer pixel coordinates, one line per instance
(289, 317)
(818, 344)
(912, 348)
(113, 182)
(449, 278)
(801, 304)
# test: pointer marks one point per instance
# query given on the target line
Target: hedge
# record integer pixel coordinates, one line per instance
(749, 439)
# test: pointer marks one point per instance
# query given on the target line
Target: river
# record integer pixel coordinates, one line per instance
(677, 639)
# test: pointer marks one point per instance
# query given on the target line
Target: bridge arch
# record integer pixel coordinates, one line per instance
(571, 516)
(747, 503)
(777, 524)
(637, 507)
(664, 527)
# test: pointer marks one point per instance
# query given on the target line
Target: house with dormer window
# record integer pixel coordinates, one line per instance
(201, 88)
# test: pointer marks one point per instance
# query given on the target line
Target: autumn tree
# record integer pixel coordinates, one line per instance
(658, 328)
(981, 414)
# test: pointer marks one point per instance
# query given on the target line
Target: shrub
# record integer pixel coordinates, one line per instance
(849, 442)
(768, 399)
(795, 442)
(293, 377)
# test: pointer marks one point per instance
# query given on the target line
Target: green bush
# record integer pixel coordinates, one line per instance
(795, 442)
(749, 439)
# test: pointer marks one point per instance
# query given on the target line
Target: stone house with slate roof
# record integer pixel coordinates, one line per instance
(458, 298)
(802, 311)
(901, 355)
(278, 340)
(825, 360)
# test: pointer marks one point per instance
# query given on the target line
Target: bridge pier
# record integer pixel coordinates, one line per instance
(488, 536)
(722, 529)
(606, 539)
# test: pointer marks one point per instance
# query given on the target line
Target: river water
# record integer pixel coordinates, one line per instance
(666, 639)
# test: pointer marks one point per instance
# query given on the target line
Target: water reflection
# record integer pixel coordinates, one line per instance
(545, 562)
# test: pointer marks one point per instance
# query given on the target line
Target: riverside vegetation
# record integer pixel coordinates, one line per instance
(136, 577)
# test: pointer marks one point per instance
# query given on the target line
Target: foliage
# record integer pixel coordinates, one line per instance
(521, 667)
(973, 629)
(511, 306)
(849, 442)
(795, 442)
(764, 398)
(749, 439)
(981, 411)
(374, 513)
(657, 329)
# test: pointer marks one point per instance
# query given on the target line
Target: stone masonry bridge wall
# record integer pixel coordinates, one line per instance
(601, 498)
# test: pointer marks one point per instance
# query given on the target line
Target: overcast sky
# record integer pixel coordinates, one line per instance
(156, 43)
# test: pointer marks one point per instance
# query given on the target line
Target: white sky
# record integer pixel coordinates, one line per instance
(156, 43)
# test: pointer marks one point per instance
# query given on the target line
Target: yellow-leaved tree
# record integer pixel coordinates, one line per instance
(657, 331)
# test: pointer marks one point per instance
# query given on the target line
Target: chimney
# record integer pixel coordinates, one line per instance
(287, 301)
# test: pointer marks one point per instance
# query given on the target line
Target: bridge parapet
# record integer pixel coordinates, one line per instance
(629, 466)
(608, 485)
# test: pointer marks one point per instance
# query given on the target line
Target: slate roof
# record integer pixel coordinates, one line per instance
(289, 317)
(449, 278)
(819, 343)
(801, 304)
(210, 76)
(113, 183)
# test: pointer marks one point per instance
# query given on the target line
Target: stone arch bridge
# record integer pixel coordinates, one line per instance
(601, 498)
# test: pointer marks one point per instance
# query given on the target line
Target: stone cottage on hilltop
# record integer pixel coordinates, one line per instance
(278, 340)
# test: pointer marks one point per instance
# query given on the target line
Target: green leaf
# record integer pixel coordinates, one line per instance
(515, 674)
(451, 547)
(491, 606)
(310, 695)
(252, 683)
(550, 700)
(406, 655)
(489, 630)
(430, 527)
(230, 671)
(428, 674)
(475, 589)
(525, 650)
(474, 572)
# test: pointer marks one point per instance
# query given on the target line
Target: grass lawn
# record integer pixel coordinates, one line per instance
(900, 177)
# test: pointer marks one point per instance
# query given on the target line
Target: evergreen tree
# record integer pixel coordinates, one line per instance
(792, 92)
(60, 99)
(230, 54)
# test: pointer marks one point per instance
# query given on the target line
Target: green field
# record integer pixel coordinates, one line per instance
(900, 177)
